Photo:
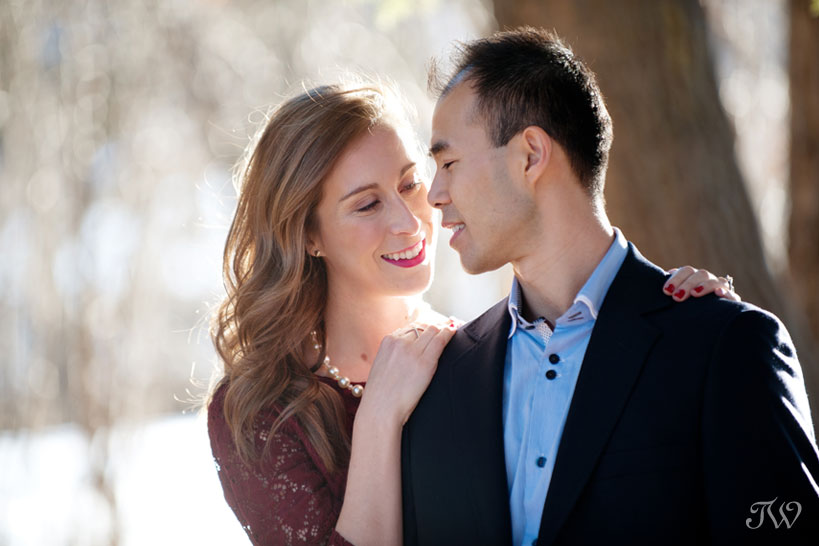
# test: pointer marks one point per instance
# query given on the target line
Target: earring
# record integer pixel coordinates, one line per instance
(317, 253)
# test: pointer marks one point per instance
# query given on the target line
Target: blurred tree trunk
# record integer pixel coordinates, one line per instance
(673, 183)
(804, 221)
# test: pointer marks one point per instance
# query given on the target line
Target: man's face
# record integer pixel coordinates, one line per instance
(475, 186)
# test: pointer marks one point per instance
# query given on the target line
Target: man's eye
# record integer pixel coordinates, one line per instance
(445, 166)
(411, 186)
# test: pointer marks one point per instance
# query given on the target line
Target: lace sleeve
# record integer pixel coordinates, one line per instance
(288, 498)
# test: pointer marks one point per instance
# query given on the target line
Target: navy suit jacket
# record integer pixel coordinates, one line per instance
(685, 416)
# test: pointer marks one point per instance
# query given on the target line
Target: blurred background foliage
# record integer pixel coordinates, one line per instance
(120, 122)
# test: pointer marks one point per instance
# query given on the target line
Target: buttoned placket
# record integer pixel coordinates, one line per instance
(548, 397)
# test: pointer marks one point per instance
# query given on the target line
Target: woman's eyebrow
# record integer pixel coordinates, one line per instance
(357, 190)
(372, 185)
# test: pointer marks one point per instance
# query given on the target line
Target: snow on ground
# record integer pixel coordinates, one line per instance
(166, 487)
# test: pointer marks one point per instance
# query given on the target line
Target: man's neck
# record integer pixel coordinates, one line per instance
(554, 272)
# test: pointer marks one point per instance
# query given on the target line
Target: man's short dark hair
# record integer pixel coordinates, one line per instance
(527, 77)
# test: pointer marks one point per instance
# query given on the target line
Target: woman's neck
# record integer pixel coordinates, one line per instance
(355, 326)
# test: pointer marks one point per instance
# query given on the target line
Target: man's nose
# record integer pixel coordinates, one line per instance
(438, 195)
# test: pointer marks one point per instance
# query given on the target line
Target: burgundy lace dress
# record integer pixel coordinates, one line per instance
(289, 497)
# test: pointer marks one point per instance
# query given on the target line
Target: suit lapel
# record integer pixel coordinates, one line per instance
(476, 380)
(617, 350)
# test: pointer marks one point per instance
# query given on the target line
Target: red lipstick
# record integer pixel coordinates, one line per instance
(411, 262)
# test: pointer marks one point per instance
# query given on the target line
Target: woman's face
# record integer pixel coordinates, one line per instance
(375, 227)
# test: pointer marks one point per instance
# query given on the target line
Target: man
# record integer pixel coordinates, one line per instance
(588, 408)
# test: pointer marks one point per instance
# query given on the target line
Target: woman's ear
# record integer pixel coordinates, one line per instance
(314, 251)
(313, 247)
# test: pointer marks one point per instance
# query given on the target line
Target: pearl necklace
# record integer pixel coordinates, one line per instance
(343, 382)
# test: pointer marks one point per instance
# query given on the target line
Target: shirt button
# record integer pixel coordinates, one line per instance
(551, 374)
(554, 359)
(541, 462)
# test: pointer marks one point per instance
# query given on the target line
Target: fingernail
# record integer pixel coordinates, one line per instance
(720, 292)
(452, 325)
(669, 288)
(679, 294)
(698, 289)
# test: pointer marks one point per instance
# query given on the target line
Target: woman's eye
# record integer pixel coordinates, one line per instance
(411, 186)
(367, 207)
(445, 166)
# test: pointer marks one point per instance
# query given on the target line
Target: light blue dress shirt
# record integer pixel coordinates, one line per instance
(539, 377)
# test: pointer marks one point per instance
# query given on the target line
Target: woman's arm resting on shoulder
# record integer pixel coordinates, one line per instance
(688, 281)
(401, 372)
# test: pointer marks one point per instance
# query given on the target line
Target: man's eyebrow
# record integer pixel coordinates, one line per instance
(438, 147)
(372, 185)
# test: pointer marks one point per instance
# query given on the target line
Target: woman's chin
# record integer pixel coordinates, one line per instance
(415, 284)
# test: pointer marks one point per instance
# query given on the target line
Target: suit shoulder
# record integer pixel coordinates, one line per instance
(732, 314)
(490, 321)
(706, 312)
(752, 325)
(752, 315)
(488, 318)
(753, 348)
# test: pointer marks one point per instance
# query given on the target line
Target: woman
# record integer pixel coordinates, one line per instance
(326, 260)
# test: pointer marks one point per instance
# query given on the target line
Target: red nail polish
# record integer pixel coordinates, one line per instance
(698, 289)
(452, 325)
(670, 288)
(679, 294)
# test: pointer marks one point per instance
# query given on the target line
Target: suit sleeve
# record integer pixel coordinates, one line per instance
(759, 452)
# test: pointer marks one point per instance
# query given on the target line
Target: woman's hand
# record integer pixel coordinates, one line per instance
(403, 368)
(401, 372)
(689, 281)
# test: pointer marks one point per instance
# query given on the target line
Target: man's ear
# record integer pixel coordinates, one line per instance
(537, 145)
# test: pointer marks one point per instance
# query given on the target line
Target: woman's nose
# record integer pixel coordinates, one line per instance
(403, 219)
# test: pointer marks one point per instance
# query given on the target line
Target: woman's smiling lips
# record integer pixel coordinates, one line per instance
(409, 257)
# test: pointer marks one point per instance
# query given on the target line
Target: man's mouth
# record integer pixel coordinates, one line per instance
(456, 229)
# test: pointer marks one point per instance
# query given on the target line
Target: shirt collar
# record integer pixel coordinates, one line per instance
(589, 299)
(515, 298)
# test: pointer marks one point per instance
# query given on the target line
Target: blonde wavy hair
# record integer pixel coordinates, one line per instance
(276, 291)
